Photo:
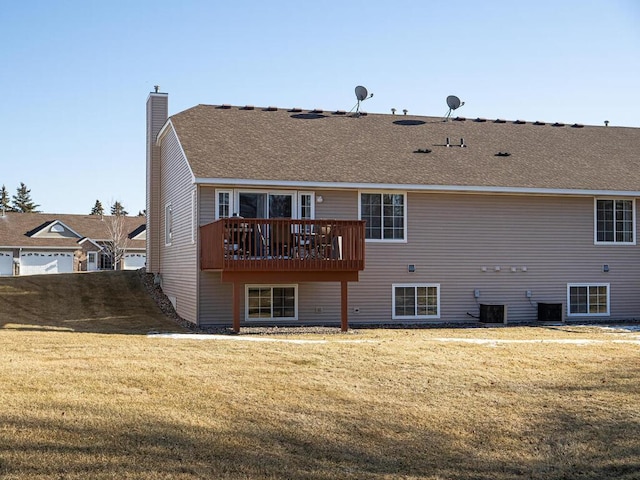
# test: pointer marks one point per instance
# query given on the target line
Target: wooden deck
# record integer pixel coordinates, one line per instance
(283, 250)
(282, 245)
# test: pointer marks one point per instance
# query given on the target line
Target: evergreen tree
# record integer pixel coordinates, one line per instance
(22, 201)
(118, 209)
(4, 200)
(97, 209)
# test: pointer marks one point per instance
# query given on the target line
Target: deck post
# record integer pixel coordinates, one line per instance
(344, 305)
(237, 291)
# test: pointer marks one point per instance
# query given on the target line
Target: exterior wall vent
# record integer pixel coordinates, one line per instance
(493, 313)
(519, 122)
(539, 123)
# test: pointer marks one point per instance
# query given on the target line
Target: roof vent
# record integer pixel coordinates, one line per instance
(393, 111)
(577, 125)
(519, 122)
(317, 110)
(271, 109)
(499, 120)
(295, 109)
(502, 154)
(606, 123)
(539, 123)
(480, 119)
(340, 112)
(405, 111)
(248, 107)
(558, 124)
(225, 106)
(459, 119)
(421, 150)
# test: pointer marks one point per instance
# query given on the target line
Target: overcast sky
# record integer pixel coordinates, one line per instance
(75, 74)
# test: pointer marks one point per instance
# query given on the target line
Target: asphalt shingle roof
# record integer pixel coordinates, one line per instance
(325, 148)
(16, 227)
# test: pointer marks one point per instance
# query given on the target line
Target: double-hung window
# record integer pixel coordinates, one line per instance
(588, 299)
(416, 301)
(615, 221)
(385, 215)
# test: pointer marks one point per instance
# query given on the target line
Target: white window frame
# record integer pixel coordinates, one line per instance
(168, 225)
(416, 316)
(404, 214)
(231, 202)
(587, 286)
(595, 221)
(272, 318)
(194, 216)
(312, 197)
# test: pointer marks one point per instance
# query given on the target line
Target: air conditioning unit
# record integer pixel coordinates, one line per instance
(550, 312)
(493, 313)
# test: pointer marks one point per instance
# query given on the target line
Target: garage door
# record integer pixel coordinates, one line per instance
(134, 261)
(6, 263)
(38, 263)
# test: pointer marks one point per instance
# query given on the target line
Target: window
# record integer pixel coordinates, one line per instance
(306, 205)
(384, 214)
(168, 225)
(416, 301)
(615, 221)
(276, 303)
(588, 299)
(224, 208)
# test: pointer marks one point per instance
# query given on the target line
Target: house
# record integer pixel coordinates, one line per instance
(42, 243)
(433, 220)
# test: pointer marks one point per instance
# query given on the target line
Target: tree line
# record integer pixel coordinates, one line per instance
(23, 203)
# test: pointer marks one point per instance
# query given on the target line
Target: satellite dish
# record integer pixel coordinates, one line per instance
(361, 93)
(453, 102)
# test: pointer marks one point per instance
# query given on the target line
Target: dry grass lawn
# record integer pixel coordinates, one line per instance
(86, 393)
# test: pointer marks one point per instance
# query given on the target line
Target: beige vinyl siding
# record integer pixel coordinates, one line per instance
(452, 237)
(157, 111)
(178, 261)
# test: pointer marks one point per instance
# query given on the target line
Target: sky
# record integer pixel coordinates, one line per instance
(75, 74)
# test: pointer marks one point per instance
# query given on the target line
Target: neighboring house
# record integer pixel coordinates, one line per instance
(42, 243)
(455, 217)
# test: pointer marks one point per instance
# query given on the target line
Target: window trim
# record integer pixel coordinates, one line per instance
(588, 285)
(168, 224)
(312, 205)
(194, 216)
(271, 318)
(595, 221)
(414, 317)
(217, 202)
(404, 214)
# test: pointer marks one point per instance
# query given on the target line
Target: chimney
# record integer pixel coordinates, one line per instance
(157, 114)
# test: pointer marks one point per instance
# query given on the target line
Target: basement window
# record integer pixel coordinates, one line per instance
(416, 301)
(265, 302)
(588, 299)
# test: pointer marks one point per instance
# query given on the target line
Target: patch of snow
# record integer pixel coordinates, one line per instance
(243, 338)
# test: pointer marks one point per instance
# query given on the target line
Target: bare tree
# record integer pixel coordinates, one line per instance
(118, 238)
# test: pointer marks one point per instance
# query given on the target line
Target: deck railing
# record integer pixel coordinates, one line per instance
(279, 244)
